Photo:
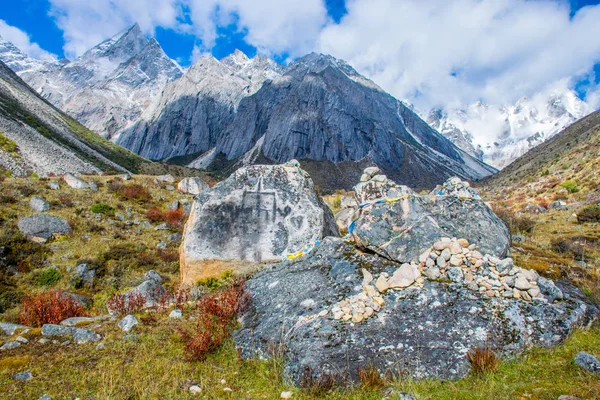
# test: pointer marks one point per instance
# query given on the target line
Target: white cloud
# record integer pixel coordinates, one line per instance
(23, 42)
(86, 23)
(432, 53)
(284, 26)
(273, 27)
(442, 52)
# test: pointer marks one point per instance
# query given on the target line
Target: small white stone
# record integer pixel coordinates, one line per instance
(286, 395)
(195, 389)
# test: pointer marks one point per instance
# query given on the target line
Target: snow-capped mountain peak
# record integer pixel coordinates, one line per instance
(236, 60)
(500, 134)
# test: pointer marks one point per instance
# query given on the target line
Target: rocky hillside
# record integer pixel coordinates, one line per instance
(37, 137)
(106, 88)
(572, 156)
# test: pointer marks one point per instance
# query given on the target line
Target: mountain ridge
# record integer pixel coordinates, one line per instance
(241, 110)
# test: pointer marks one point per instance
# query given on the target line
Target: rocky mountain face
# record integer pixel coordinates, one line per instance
(37, 137)
(239, 111)
(499, 135)
(108, 87)
(318, 108)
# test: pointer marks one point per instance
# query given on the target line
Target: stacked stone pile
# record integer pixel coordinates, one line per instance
(456, 187)
(452, 261)
(458, 261)
(361, 306)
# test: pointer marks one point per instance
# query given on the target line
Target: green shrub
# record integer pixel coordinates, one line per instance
(47, 277)
(19, 251)
(7, 145)
(570, 185)
(589, 214)
(102, 208)
(212, 282)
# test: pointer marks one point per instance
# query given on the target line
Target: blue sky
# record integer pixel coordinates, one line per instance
(33, 17)
(436, 52)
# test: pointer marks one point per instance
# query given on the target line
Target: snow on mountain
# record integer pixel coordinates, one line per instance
(108, 87)
(499, 135)
(243, 110)
(318, 109)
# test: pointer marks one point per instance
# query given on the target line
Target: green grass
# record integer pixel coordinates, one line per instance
(154, 366)
(110, 150)
(7, 145)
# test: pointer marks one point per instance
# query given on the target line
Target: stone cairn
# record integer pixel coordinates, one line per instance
(372, 174)
(448, 260)
(456, 187)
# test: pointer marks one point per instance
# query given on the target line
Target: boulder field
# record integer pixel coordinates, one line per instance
(418, 283)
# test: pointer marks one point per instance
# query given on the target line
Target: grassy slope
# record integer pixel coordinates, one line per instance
(572, 154)
(154, 366)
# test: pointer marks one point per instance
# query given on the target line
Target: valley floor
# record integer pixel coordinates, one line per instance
(151, 363)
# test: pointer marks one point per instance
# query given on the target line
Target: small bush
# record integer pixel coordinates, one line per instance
(127, 303)
(168, 255)
(17, 250)
(48, 308)
(102, 208)
(65, 200)
(570, 185)
(154, 215)
(589, 214)
(7, 199)
(7, 145)
(26, 190)
(483, 360)
(134, 192)
(216, 315)
(47, 277)
(14, 364)
(370, 377)
(175, 219)
(213, 283)
(317, 385)
(516, 223)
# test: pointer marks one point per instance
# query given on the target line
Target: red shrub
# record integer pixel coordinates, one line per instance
(175, 218)
(216, 314)
(48, 308)
(205, 338)
(134, 192)
(127, 303)
(179, 297)
(154, 215)
(168, 255)
(225, 304)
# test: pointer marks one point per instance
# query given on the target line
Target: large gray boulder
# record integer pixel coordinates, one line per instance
(41, 227)
(192, 185)
(331, 315)
(75, 182)
(150, 290)
(37, 203)
(398, 224)
(259, 214)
